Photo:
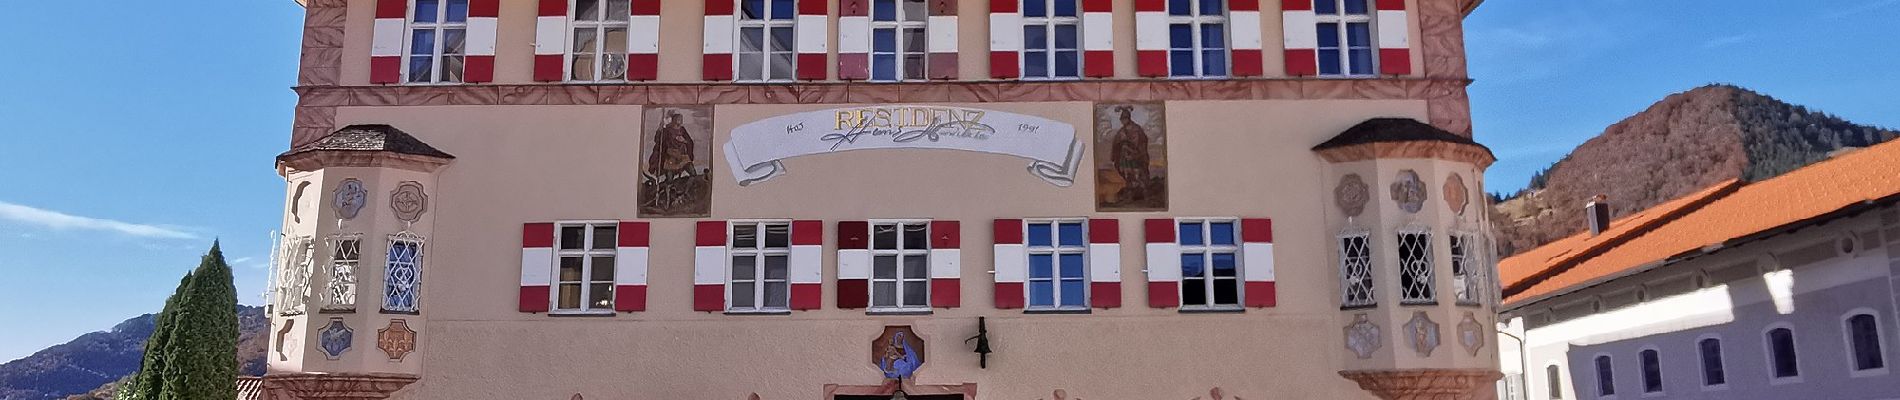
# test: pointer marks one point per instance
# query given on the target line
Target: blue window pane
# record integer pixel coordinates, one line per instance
(458, 11)
(1065, 8)
(884, 10)
(1034, 37)
(1035, 8)
(423, 42)
(1325, 7)
(1214, 62)
(752, 9)
(1224, 264)
(419, 68)
(1180, 7)
(1071, 266)
(1066, 37)
(426, 10)
(1036, 64)
(1361, 61)
(1192, 265)
(1190, 233)
(1072, 292)
(1328, 35)
(884, 67)
(1329, 62)
(783, 9)
(1042, 293)
(1039, 235)
(1067, 64)
(1181, 63)
(1071, 234)
(1181, 36)
(1213, 37)
(1221, 232)
(1040, 266)
(1354, 6)
(1211, 7)
(884, 40)
(1358, 34)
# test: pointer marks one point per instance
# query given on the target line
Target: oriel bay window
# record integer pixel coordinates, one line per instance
(760, 253)
(766, 40)
(1355, 269)
(1057, 277)
(598, 52)
(438, 33)
(900, 265)
(1051, 39)
(1210, 264)
(1415, 266)
(1345, 37)
(1197, 38)
(585, 268)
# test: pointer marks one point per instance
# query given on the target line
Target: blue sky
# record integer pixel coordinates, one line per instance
(129, 146)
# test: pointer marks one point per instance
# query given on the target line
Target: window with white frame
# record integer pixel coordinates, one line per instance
(402, 274)
(1197, 38)
(765, 41)
(1355, 269)
(1714, 372)
(760, 254)
(1783, 362)
(1468, 279)
(585, 266)
(1052, 32)
(1863, 340)
(339, 294)
(438, 32)
(1057, 271)
(898, 40)
(1415, 266)
(1345, 37)
(599, 50)
(900, 265)
(294, 289)
(1652, 370)
(1606, 376)
(1210, 263)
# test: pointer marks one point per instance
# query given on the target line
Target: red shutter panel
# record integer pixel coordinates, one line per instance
(812, 39)
(717, 36)
(807, 265)
(1395, 45)
(854, 40)
(643, 40)
(1006, 39)
(946, 264)
(1256, 262)
(854, 264)
(1012, 260)
(1105, 263)
(709, 267)
(1151, 38)
(385, 53)
(1098, 38)
(550, 41)
(941, 40)
(1297, 24)
(1244, 18)
(630, 267)
(1164, 264)
(483, 19)
(537, 266)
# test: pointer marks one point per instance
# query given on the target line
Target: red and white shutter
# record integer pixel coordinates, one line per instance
(1105, 263)
(807, 265)
(942, 40)
(550, 41)
(709, 266)
(483, 18)
(716, 49)
(537, 265)
(946, 264)
(812, 39)
(630, 267)
(1151, 38)
(385, 49)
(643, 41)
(1395, 45)
(854, 40)
(1299, 27)
(1098, 38)
(1012, 258)
(1256, 262)
(1006, 39)
(1164, 264)
(854, 264)
(1243, 17)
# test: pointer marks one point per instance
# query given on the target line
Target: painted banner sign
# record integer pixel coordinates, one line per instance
(756, 149)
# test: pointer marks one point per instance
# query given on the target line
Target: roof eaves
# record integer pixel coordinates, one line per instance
(1592, 251)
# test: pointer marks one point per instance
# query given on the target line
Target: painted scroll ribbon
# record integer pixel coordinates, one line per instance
(756, 150)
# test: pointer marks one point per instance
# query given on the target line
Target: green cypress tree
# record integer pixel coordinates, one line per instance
(144, 385)
(202, 349)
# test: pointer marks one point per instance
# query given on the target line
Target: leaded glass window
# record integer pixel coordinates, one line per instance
(1355, 269)
(438, 32)
(1467, 275)
(345, 255)
(294, 289)
(402, 276)
(1415, 266)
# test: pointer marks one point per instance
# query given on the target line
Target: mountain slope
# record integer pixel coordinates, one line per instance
(98, 358)
(1679, 145)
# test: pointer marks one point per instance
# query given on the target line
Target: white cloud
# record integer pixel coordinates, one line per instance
(63, 221)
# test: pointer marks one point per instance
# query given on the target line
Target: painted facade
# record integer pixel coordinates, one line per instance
(673, 231)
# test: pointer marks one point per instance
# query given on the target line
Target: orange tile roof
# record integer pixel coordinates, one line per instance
(1723, 212)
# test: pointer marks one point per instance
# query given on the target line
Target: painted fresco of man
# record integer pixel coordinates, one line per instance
(672, 149)
(1129, 154)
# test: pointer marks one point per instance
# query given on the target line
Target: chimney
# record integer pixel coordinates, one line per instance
(1597, 214)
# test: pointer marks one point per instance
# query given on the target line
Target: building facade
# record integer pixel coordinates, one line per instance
(811, 199)
(1779, 289)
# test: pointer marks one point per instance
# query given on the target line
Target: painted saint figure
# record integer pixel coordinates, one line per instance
(1130, 157)
(899, 359)
(675, 179)
(672, 149)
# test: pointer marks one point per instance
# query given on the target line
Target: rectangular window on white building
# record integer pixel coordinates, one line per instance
(898, 46)
(1197, 38)
(1052, 39)
(1345, 37)
(599, 50)
(900, 266)
(1057, 271)
(1210, 264)
(438, 32)
(766, 52)
(585, 267)
(761, 253)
